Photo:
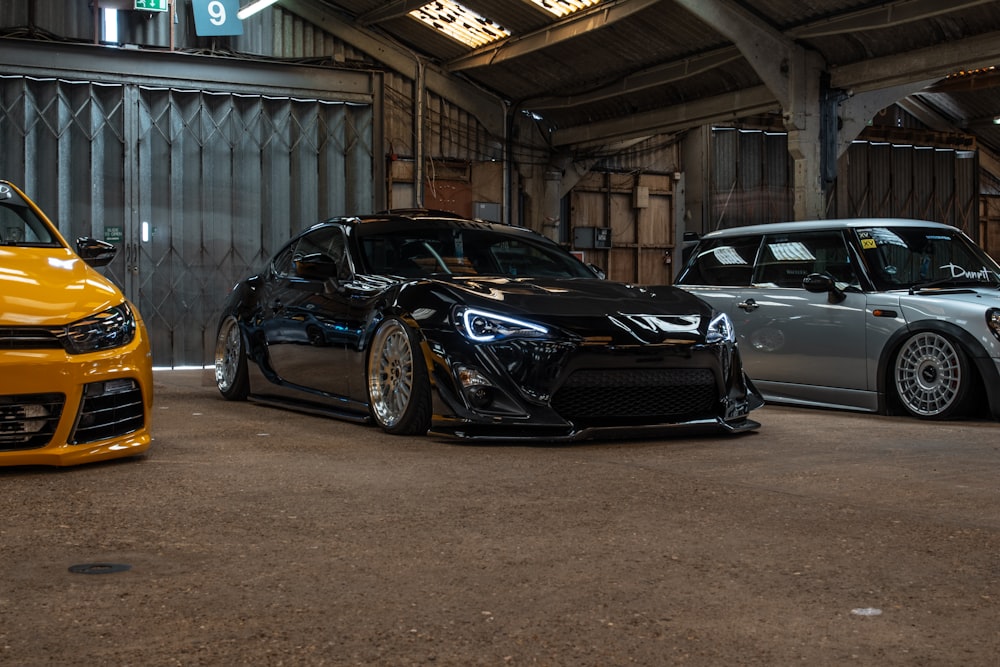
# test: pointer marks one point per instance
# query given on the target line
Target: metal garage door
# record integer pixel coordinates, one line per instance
(196, 188)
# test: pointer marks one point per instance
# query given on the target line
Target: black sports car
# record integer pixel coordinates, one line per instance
(421, 321)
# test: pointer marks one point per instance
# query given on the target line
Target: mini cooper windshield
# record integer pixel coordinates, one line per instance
(918, 258)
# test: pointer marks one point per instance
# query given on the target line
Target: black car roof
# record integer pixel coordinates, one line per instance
(401, 219)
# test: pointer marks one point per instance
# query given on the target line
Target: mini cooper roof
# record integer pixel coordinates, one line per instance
(824, 225)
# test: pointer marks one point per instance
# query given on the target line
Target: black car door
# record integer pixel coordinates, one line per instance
(311, 323)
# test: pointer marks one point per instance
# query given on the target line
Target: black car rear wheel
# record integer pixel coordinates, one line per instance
(933, 376)
(231, 361)
(398, 386)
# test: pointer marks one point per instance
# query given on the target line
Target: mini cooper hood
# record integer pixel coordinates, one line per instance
(575, 304)
(984, 297)
(50, 286)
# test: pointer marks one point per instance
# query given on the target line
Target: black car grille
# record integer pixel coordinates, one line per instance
(29, 338)
(109, 409)
(28, 421)
(635, 395)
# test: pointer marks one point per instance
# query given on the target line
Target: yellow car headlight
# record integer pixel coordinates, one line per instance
(112, 328)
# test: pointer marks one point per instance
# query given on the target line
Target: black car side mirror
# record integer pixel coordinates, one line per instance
(316, 266)
(817, 283)
(94, 251)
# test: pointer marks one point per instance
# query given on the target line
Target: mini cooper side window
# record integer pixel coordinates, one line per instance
(722, 262)
(786, 259)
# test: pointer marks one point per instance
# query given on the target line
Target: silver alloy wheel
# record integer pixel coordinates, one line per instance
(228, 355)
(390, 373)
(928, 374)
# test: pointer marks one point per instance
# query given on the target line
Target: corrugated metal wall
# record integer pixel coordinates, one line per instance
(893, 180)
(197, 183)
(751, 178)
(196, 188)
(751, 181)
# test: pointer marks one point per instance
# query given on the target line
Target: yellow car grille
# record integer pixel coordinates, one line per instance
(29, 338)
(28, 421)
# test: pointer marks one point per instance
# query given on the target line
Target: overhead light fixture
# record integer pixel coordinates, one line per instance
(253, 8)
(565, 7)
(460, 23)
(996, 120)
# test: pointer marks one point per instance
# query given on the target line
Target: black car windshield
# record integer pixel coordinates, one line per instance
(921, 257)
(19, 226)
(465, 251)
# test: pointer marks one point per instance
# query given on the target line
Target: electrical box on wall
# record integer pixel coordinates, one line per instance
(486, 210)
(640, 197)
(591, 237)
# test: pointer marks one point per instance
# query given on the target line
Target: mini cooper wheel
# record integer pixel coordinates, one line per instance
(932, 376)
(398, 386)
(231, 361)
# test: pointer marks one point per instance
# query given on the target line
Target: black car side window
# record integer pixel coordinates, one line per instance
(327, 242)
(722, 262)
(786, 259)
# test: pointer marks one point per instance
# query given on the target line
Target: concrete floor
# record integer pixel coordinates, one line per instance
(254, 536)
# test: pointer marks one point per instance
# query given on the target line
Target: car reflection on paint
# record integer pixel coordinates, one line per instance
(426, 322)
(868, 314)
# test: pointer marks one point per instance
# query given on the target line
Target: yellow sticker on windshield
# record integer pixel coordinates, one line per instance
(868, 244)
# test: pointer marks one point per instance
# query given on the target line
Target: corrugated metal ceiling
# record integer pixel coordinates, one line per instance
(623, 59)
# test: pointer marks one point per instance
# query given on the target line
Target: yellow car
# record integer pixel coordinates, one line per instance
(76, 375)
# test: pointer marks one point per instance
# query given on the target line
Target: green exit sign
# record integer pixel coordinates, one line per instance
(151, 5)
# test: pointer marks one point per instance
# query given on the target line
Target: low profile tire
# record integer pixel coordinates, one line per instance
(933, 376)
(398, 386)
(231, 361)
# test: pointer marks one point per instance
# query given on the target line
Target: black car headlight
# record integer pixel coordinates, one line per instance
(720, 329)
(112, 328)
(483, 326)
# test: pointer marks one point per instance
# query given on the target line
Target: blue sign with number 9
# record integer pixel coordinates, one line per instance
(216, 17)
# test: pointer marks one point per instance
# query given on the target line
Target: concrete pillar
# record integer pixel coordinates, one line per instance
(552, 205)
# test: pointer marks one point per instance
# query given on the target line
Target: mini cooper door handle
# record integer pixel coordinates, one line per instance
(749, 305)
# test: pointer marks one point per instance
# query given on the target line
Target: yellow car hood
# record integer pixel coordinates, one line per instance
(50, 286)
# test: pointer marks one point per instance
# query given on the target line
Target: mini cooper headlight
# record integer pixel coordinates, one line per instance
(112, 328)
(720, 330)
(993, 322)
(483, 326)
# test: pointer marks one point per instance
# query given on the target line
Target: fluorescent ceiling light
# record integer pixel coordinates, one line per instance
(564, 7)
(253, 8)
(460, 23)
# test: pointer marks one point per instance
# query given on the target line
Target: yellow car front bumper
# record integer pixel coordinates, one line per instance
(63, 409)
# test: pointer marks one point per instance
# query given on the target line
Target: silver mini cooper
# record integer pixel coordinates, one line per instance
(863, 314)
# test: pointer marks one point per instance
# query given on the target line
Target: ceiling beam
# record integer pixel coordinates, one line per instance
(769, 52)
(562, 30)
(893, 14)
(885, 16)
(488, 109)
(641, 80)
(935, 62)
(390, 10)
(899, 71)
(678, 117)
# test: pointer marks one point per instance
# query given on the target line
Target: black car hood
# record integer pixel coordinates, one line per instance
(590, 307)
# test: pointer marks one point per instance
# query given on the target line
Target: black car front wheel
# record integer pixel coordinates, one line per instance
(398, 385)
(231, 361)
(933, 376)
